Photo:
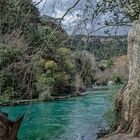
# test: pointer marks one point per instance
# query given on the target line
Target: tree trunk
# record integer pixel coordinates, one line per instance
(9, 129)
(128, 101)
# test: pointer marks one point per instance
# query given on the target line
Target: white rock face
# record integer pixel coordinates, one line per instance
(130, 96)
(134, 60)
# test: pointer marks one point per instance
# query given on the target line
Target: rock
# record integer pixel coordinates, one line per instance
(119, 137)
(110, 82)
(8, 128)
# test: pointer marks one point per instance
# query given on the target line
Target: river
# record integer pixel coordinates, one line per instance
(78, 118)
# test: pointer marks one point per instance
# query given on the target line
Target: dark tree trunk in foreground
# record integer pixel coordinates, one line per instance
(128, 101)
(9, 129)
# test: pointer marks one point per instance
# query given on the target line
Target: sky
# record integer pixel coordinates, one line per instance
(73, 23)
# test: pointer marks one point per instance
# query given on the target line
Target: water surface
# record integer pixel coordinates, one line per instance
(78, 118)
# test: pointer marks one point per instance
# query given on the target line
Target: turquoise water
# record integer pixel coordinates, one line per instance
(78, 118)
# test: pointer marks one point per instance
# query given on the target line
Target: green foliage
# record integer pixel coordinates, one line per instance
(62, 84)
(103, 48)
(44, 31)
(18, 14)
(2, 80)
(112, 116)
(9, 55)
(51, 65)
(70, 65)
(7, 94)
(29, 68)
(41, 62)
(7, 81)
(64, 51)
(117, 78)
(109, 63)
(42, 81)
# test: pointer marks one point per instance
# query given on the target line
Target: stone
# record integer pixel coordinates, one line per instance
(9, 129)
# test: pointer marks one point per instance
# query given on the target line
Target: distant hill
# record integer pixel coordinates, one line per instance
(103, 47)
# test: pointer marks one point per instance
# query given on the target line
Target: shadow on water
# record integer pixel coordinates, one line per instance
(78, 118)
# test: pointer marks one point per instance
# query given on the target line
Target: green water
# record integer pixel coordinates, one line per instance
(78, 118)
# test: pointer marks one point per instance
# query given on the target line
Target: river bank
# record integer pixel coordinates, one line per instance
(54, 98)
(30, 101)
(26, 102)
(119, 136)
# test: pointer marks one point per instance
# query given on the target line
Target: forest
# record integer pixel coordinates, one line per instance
(35, 65)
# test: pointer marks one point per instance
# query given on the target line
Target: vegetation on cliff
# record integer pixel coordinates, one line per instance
(103, 47)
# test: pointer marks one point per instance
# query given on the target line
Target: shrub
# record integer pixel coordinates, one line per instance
(43, 81)
(110, 63)
(9, 55)
(41, 62)
(112, 116)
(7, 94)
(71, 66)
(117, 78)
(52, 65)
(62, 84)
(64, 51)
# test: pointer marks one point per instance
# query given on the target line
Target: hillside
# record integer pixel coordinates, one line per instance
(38, 59)
(35, 62)
(103, 47)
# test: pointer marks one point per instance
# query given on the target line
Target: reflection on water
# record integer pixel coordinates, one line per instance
(77, 118)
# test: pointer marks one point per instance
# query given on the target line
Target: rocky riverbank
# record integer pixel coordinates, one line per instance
(119, 136)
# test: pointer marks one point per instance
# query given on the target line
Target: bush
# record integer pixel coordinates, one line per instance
(43, 81)
(51, 65)
(41, 62)
(112, 116)
(9, 55)
(62, 84)
(64, 51)
(110, 63)
(71, 66)
(7, 94)
(118, 78)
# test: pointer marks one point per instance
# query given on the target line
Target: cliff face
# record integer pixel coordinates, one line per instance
(134, 66)
(134, 53)
(129, 99)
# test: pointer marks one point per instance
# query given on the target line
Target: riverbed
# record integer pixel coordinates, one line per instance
(77, 118)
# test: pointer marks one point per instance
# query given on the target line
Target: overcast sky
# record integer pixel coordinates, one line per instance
(71, 22)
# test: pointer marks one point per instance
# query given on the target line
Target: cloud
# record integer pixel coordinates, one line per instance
(57, 8)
